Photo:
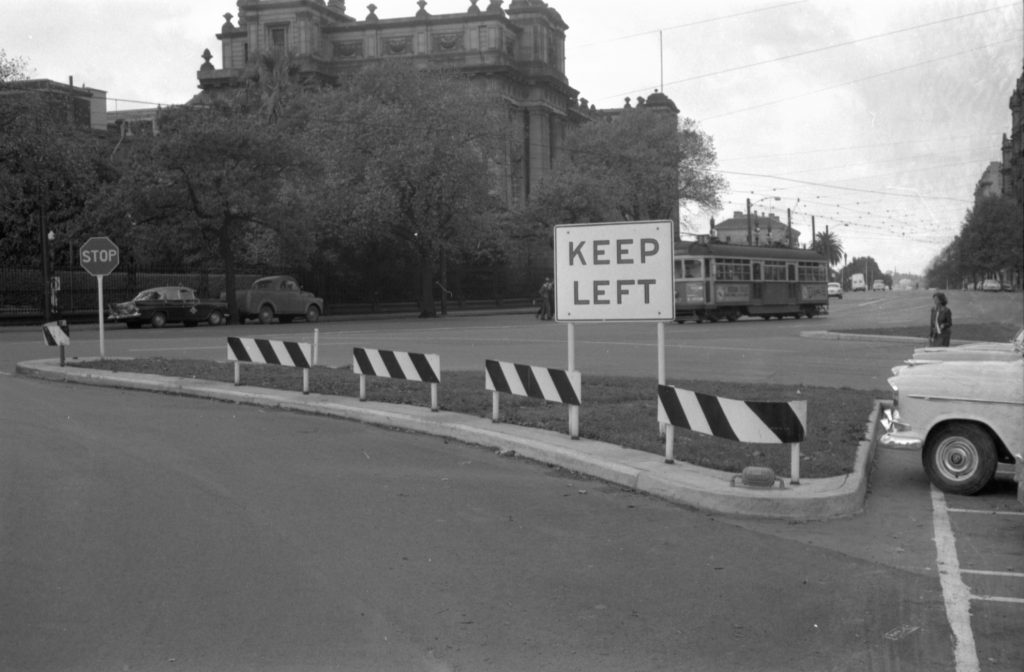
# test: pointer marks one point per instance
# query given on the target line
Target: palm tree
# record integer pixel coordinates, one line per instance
(827, 245)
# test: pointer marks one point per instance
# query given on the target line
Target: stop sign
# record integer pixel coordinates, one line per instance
(99, 256)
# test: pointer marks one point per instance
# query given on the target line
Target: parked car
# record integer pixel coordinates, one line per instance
(964, 416)
(991, 286)
(158, 306)
(278, 296)
(835, 289)
(878, 286)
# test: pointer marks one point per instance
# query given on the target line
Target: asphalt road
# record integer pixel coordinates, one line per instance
(151, 532)
(142, 531)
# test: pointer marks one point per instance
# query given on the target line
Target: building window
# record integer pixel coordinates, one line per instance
(278, 37)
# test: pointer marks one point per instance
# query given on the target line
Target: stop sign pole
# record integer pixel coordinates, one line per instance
(99, 257)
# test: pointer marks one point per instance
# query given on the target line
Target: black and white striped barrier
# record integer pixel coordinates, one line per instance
(57, 334)
(746, 421)
(557, 385)
(262, 351)
(399, 365)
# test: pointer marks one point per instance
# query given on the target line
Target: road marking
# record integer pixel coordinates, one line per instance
(989, 513)
(954, 592)
(995, 598)
(985, 572)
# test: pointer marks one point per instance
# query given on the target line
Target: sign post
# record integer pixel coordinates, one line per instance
(99, 257)
(614, 272)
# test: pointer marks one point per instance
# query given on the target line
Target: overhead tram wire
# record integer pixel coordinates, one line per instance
(694, 23)
(821, 49)
(830, 186)
(854, 81)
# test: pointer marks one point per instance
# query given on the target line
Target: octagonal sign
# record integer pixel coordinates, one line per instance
(99, 256)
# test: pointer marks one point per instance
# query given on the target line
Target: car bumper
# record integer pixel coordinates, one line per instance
(902, 440)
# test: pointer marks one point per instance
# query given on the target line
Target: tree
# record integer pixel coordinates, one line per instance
(49, 168)
(636, 165)
(990, 244)
(213, 176)
(827, 244)
(12, 68)
(407, 158)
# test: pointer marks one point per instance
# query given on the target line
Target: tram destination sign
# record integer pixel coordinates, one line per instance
(614, 272)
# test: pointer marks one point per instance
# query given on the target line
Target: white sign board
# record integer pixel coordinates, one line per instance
(614, 272)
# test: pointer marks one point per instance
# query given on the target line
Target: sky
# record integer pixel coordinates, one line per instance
(875, 117)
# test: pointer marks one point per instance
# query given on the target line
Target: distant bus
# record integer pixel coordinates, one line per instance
(717, 281)
(857, 283)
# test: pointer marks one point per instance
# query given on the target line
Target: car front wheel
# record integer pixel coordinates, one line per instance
(215, 319)
(158, 320)
(312, 314)
(266, 315)
(960, 458)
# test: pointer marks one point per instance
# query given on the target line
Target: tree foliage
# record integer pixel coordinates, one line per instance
(828, 245)
(990, 245)
(49, 168)
(407, 174)
(636, 165)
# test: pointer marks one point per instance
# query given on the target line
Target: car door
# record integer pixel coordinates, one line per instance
(174, 305)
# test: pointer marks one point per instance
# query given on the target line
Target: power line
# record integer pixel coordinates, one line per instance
(694, 23)
(855, 81)
(826, 48)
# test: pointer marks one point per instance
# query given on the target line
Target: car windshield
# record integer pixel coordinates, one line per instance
(147, 295)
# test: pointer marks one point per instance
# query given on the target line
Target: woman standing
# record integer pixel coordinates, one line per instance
(942, 321)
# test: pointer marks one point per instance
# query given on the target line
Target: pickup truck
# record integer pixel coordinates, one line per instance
(277, 296)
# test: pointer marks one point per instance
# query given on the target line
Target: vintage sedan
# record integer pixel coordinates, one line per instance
(160, 305)
(964, 416)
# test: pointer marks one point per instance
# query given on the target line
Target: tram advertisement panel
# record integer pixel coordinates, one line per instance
(732, 293)
(619, 271)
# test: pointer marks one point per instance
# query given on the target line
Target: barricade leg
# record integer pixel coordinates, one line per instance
(494, 406)
(794, 464)
(433, 397)
(574, 421)
(305, 381)
(670, 436)
(362, 388)
(238, 376)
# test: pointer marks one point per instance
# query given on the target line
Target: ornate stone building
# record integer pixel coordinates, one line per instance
(1013, 146)
(519, 51)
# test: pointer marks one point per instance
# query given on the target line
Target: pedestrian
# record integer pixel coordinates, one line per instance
(546, 291)
(942, 321)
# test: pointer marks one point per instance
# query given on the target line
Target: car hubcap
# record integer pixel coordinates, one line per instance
(956, 458)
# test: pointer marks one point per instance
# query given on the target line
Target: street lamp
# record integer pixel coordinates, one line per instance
(749, 229)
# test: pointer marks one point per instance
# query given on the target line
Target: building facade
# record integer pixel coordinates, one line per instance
(1013, 146)
(765, 229)
(518, 52)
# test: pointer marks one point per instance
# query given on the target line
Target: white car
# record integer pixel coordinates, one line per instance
(835, 289)
(964, 416)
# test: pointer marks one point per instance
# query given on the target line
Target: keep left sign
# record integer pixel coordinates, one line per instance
(614, 272)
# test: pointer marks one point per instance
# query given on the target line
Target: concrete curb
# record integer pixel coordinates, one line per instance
(690, 485)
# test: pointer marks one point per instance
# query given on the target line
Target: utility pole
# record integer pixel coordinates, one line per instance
(749, 231)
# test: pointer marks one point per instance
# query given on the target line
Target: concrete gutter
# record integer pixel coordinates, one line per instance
(690, 485)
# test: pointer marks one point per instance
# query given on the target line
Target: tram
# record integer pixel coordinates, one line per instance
(718, 281)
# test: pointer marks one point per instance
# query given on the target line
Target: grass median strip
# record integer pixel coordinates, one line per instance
(617, 410)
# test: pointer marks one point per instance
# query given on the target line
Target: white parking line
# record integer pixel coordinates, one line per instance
(954, 592)
(988, 513)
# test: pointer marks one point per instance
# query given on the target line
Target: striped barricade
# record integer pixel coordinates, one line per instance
(262, 351)
(399, 365)
(746, 421)
(538, 382)
(58, 335)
